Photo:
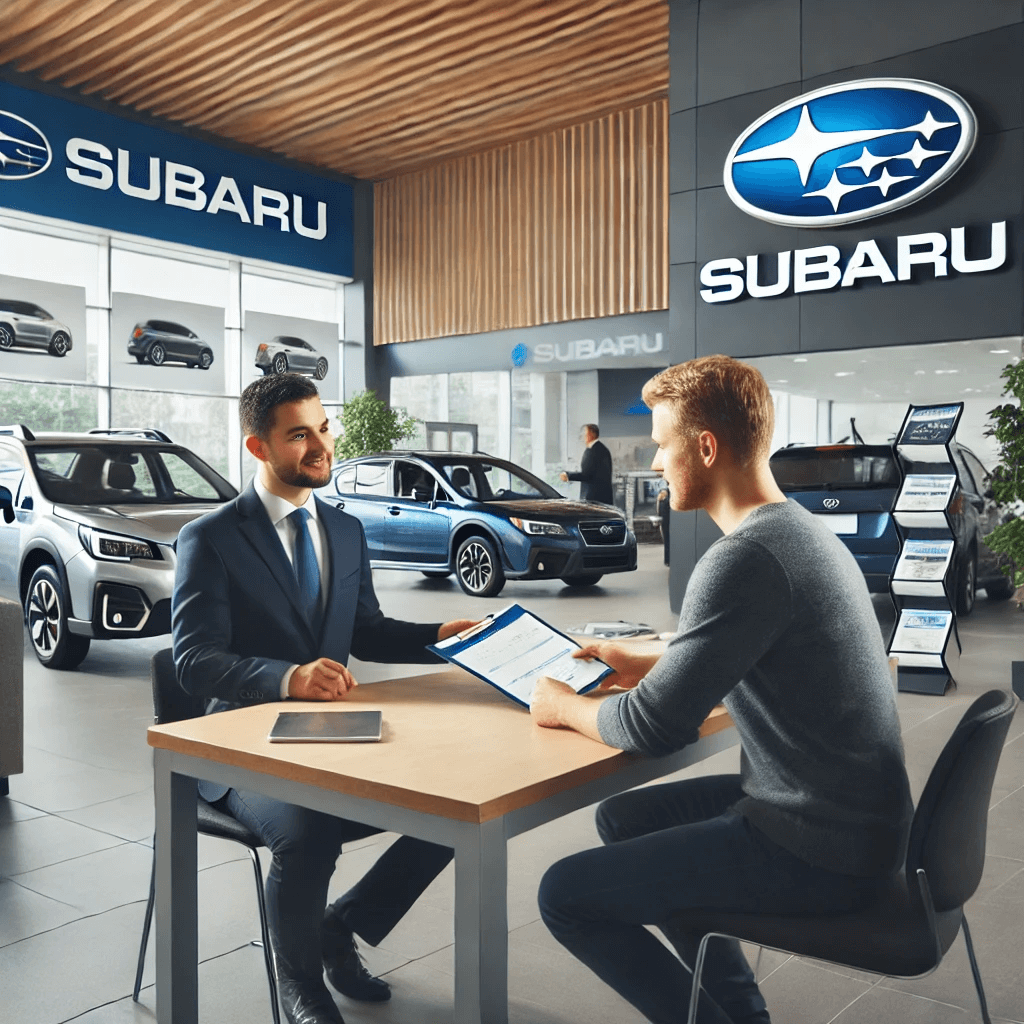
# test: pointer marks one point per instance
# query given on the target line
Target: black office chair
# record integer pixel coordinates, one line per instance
(172, 704)
(909, 929)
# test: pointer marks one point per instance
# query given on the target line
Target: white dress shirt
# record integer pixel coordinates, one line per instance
(279, 509)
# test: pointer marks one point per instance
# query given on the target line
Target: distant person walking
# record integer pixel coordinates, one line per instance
(595, 473)
(664, 509)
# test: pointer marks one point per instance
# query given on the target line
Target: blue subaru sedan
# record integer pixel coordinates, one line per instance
(482, 518)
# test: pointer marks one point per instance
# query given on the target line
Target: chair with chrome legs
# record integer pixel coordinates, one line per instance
(907, 931)
(172, 704)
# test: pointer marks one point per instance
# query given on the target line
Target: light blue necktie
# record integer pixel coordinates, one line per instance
(307, 572)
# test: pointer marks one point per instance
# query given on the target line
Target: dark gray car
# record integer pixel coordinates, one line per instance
(164, 341)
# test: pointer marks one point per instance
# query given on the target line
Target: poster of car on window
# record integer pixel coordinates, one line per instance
(170, 346)
(42, 330)
(281, 344)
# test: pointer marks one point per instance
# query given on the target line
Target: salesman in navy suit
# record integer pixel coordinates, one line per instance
(273, 594)
(595, 475)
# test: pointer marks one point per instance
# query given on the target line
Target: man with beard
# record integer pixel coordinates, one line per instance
(273, 593)
(777, 623)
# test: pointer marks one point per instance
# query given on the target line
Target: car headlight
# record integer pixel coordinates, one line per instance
(112, 547)
(532, 526)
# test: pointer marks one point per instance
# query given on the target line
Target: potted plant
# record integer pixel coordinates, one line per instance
(368, 426)
(1008, 489)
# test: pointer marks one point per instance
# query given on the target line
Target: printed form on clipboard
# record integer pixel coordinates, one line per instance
(512, 649)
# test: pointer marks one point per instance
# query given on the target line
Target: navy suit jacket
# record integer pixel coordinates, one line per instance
(236, 618)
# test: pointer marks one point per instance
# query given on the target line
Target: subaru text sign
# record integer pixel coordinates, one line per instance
(849, 152)
(71, 162)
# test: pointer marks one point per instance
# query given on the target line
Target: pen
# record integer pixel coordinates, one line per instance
(466, 633)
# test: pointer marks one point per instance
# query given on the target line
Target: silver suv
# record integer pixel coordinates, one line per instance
(87, 532)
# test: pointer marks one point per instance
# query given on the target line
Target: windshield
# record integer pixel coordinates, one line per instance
(126, 475)
(824, 469)
(24, 308)
(492, 480)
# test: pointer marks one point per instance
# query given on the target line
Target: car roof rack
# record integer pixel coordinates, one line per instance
(18, 430)
(148, 432)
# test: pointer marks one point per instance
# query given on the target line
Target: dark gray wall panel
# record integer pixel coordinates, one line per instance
(682, 54)
(723, 229)
(682, 150)
(985, 70)
(840, 34)
(681, 327)
(748, 327)
(619, 392)
(743, 45)
(683, 555)
(719, 124)
(682, 227)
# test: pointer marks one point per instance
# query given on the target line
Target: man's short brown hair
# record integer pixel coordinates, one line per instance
(722, 395)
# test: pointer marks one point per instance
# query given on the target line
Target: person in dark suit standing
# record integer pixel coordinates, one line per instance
(595, 473)
(273, 593)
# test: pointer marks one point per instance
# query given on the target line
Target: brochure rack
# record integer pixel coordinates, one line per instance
(923, 584)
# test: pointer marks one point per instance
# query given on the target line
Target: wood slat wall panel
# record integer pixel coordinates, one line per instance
(563, 226)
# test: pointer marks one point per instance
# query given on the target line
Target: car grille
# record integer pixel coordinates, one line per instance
(606, 561)
(603, 531)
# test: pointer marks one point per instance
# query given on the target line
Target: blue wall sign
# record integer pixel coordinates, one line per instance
(63, 160)
(848, 152)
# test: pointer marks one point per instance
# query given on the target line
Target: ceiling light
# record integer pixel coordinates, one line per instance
(782, 380)
(846, 373)
(919, 373)
(999, 351)
(947, 371)
(800, 359)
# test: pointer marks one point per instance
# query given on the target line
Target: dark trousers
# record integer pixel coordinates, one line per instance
(305, 845)
(671, 848)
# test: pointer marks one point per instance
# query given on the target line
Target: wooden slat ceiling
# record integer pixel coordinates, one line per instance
(370, 88)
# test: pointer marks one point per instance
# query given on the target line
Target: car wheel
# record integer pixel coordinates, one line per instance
(205, 359)
(1001, 590)
(46, 610)
(59, 344)
(478, 568)
(280, 363)
(321, 369)
(966, 585)
(157, 354)
(586, 579)
(6, 337)
(437, 574)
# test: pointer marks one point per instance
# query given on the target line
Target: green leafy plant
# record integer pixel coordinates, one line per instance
(368, 426)
(1008, 477)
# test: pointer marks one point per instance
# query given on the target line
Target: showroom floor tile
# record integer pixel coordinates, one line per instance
(76, 832)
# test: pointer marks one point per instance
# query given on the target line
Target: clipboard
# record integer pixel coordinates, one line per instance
(511, 649)
(326, 727)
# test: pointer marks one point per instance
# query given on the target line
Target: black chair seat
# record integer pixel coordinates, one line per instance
(212, 822)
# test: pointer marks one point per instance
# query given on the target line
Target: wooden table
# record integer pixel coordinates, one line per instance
(458, 764)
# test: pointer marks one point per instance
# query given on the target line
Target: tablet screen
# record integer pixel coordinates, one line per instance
(326, 727)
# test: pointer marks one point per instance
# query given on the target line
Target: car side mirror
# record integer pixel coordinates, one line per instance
(7, 504)
(989, 494)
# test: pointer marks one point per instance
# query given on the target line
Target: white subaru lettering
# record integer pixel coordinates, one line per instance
(268, 202)
(543, 353)
(816, 269)
(906, 257)
(716, 275)
(103, 174)
(607, 348)
(586, 349)
(320, 231)
(867, 261)
(226, 196)
(997, 251)
(649, 349)
(629, 343)
(767, 291)
(151, 191)
(183, 186)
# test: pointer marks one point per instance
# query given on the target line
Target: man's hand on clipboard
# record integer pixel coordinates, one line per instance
(630, 667)
(449, 629)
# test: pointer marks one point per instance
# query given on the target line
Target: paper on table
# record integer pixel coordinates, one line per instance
(515, 649)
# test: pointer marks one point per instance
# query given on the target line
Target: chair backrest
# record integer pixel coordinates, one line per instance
(171, 703)
(947, 837)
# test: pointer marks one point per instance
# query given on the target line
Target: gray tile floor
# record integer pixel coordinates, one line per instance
(75, 849)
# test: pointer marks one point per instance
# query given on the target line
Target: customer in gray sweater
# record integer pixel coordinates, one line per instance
(777, 623)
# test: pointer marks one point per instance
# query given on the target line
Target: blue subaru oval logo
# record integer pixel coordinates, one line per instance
(849, 152)
(520, 354)
(24, 149)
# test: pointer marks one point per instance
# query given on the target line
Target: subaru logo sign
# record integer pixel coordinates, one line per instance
(24, 149)
(831, 503)
(849, 152)
(607, 530)
(520, 354)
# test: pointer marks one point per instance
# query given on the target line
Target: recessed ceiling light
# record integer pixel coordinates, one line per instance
(782, 380)
(919, 373)
(846, 373)
(947, 371)
(800, 359)
(999, 351)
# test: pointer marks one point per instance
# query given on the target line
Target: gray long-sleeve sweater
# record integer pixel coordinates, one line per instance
(777, 622)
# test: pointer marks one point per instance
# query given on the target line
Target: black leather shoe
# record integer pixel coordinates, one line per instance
(345, 968)
(308, 1002)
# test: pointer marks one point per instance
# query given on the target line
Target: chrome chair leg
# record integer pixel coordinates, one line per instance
(145, 931)
(974, 970)
(268, 953)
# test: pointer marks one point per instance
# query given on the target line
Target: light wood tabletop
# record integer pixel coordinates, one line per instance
(451, 746)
